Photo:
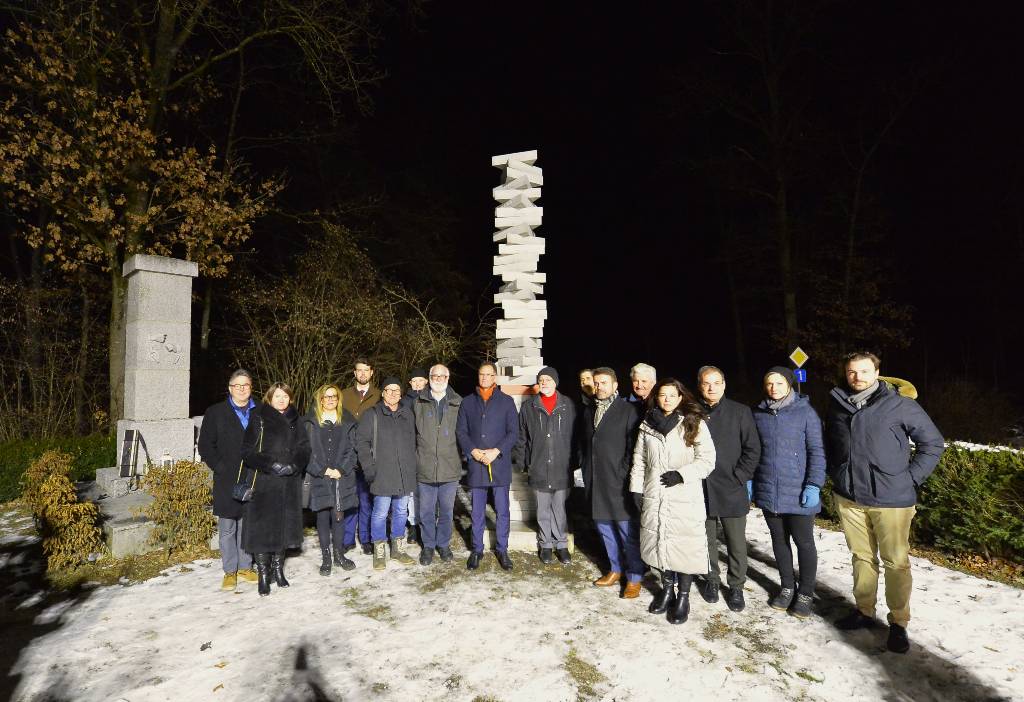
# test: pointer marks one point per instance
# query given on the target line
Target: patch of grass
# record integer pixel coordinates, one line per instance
(584, 674)
(486, 698)
(379, 688)
(453, 681)
(134, 569)
(706, 656)
(716, 628)
(575, 576)
(355, 600)
(759, 642)
(807, 676)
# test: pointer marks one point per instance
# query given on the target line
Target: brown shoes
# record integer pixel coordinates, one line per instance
(608, 580)
(632, 591)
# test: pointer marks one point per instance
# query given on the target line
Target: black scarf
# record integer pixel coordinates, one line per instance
(661, 422)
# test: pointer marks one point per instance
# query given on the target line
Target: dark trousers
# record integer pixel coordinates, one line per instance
(329, 525)
(361, 516)
(735, 529)
(799, 528)
(502, 516)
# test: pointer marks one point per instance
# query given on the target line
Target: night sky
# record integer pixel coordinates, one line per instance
(631, 228)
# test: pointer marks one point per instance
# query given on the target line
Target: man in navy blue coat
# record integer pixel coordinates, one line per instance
(487, 431)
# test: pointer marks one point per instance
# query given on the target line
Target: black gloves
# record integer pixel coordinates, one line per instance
(638, 500)
(670, 478)
(282, 469)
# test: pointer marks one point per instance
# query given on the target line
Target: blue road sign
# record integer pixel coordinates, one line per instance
(800, 374)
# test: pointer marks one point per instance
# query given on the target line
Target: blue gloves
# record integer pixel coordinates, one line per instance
(750, 490)
(811, 496)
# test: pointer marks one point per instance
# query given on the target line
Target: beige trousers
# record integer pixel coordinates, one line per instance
(879, 531)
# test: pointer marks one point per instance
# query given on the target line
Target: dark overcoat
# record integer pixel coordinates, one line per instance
(545, 442)
(486, 425)
(606, 458)
(386, 444)
(273, 519)
(870, 459)
(792, 456)
(220, 445)
(737, 452)
(332, 446)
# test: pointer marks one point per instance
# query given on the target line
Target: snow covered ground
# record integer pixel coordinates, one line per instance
(542, 633)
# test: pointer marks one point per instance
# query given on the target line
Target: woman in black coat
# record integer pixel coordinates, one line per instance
(277, 449)
(331, 472)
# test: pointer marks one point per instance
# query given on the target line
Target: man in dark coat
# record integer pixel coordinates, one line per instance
(487, 430)
(386, 444)
(608, 433)
(737, 451)
(417, 382)
(439, 465)
(869, 428)
(220, 445)
(544, 450)
(356, 399)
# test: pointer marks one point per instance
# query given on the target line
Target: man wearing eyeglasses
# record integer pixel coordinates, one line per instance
(220, 445)
(439, 465)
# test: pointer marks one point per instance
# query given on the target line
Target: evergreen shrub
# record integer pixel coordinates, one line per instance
(69, 527)
(182, 493)
(88, 453)
(972, 503)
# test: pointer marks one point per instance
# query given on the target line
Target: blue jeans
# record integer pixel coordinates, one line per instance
(619, 537)
(361, 516)
(383, 505)
(436, 503)
(501, 516)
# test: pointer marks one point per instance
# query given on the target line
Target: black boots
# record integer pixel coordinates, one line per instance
(661, 601)
(679, 612)
(340, 559)
(263, 574)
(325, 561)
(277, 568)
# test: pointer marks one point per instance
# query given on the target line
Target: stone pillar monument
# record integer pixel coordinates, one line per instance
(158, 334)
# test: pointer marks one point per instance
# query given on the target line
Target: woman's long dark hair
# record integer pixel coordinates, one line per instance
(689, 409)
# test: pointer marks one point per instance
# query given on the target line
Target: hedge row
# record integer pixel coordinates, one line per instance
(88, 452)
(973, 503)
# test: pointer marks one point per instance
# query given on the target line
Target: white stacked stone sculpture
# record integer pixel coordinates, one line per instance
(520, 333)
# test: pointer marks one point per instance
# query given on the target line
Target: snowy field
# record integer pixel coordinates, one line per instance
(541, 633)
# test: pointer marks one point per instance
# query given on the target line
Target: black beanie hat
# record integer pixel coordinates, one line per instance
(786, 373)
(391, 380)
(418, 373)
(550, 372)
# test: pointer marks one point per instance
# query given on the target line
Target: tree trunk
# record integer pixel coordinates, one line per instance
(118, 287)
(785, 234)
(737, 325)
(82, 413)
(204, 331)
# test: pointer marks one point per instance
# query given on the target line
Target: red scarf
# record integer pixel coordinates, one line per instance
(549, 402)
(485, 395)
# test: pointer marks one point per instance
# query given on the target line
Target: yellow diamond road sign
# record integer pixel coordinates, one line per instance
(798, 357)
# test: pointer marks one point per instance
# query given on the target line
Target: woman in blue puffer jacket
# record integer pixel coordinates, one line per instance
(787, 484)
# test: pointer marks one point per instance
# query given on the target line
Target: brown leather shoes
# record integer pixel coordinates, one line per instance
(632, 591)
(608, 580)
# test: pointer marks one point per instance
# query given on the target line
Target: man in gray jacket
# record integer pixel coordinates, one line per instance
(544, 450)
(438, 463)
(875, 475)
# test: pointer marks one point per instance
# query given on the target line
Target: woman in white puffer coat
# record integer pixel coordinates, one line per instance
(674, 453)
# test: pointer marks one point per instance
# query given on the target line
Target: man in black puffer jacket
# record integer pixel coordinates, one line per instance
(737, 452)
(875, 476)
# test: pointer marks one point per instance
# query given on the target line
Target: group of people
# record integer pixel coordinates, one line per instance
(663, 472)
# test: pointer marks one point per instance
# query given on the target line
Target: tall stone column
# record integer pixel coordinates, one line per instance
(158, 331)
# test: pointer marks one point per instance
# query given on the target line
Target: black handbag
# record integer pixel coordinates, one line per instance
(243, 490)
